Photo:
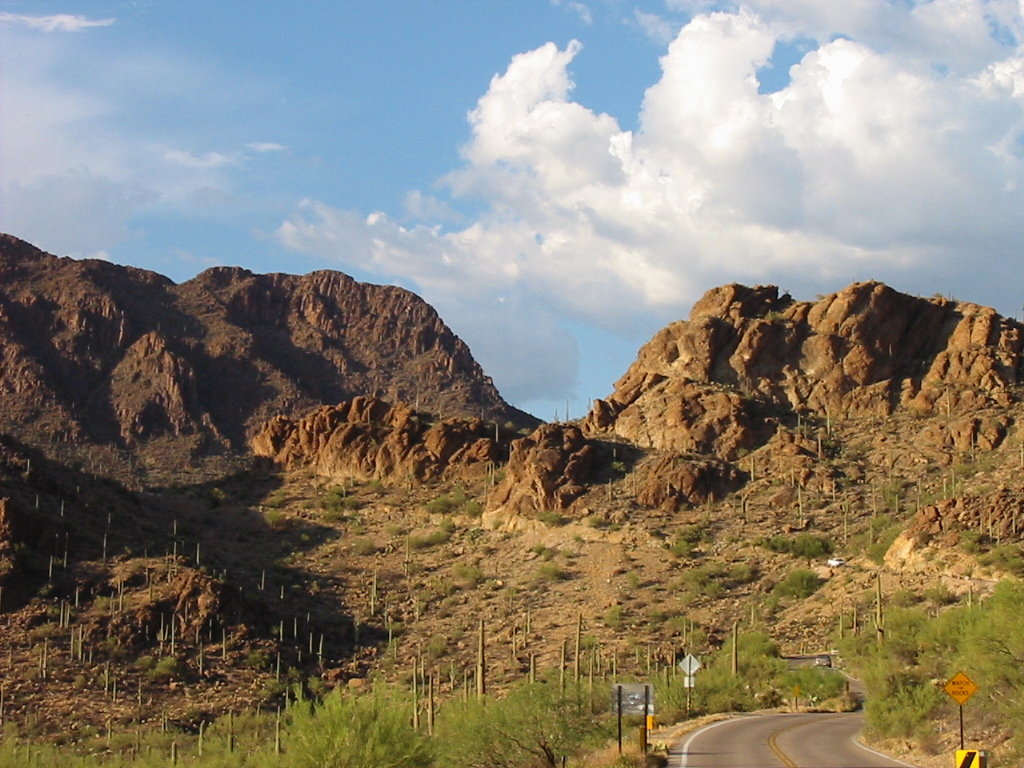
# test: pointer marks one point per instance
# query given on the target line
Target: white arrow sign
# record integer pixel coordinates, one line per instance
(690, 664)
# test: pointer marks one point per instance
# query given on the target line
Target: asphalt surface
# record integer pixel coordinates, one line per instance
(825, 740)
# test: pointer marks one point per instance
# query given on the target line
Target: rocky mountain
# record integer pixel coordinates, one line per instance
(748, 359)
(117, 358)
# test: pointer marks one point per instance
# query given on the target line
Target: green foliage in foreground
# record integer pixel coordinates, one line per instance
(534, 725)
(352, 731)
(985, 641)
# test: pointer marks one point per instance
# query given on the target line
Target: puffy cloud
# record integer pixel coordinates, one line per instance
(657, 28)
(266, 146)
(207, 160)
(61, 22)
(893, 150)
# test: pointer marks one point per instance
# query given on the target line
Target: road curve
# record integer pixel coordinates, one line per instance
(818, 740)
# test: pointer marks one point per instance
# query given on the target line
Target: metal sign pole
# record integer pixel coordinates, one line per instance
(647, 711)
(618, 707)
(961, 726)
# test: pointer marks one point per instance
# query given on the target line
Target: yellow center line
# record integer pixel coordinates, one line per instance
(773, 743)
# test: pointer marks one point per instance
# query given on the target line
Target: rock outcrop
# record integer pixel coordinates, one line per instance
(370, 439)
(998, 517)
(96, 354)
(748, 358)
(673, 480)
(546, 471)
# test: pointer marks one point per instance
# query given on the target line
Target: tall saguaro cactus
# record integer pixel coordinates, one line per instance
(481, 663)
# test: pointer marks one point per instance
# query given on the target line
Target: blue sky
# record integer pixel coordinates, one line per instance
(559, 179)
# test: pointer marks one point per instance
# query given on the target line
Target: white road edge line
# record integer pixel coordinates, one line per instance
(683, 761)
(858, 743)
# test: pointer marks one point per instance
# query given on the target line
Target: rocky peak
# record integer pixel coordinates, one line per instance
(748, 357)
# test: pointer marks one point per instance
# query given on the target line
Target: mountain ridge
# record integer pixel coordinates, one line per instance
(119, 358)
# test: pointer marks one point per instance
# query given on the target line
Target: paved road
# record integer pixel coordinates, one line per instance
(780, 741)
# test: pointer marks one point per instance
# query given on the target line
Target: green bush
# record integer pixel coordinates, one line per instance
(1005, 557)
(432, 539)
(166, 669)
(549, 572)
(355, 731)
(442, 505)
(469, 575)
(799, 584)
(613, 617)
(533, 726)
(805, 545)
(686, 540)
(552, 518)
(364, 546)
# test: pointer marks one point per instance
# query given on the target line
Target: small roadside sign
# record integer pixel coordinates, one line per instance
(971, 758)
(960, 688)
(689, 681)
(690, 664)
(635, 698)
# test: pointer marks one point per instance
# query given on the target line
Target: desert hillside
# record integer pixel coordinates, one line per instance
(768, 465)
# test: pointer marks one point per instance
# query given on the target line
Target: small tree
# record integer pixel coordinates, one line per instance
(532, 726)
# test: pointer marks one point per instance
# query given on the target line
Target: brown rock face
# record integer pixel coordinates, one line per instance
(546, 471)
(718, 382)
(96, 354)
(8, 542)
(370, 439)
(998, 516)
(674, 480)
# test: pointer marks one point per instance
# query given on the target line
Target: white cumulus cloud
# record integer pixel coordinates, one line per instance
(61, 22)
(893, 150)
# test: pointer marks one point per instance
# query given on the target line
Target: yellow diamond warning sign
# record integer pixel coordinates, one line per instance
(960, 688)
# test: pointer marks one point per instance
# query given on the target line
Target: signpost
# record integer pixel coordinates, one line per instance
(960, 688)
(633, 699)
(689, 666)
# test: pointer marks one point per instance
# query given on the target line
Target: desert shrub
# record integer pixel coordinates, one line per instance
(533, 725)
(275, 518)
(256, 660)
(708, 580)
(442, 505)
(355, 731)
(432, 539)
(1005, 557)
(337, 502)
(166, 669)
(468, 574)
(686, 540)
(437, 646)
(549, 572)
(799, 584)
(552, 518)
(805, 545)
(613, 617)
(743, 573)
(364, 546)
(883, 533)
